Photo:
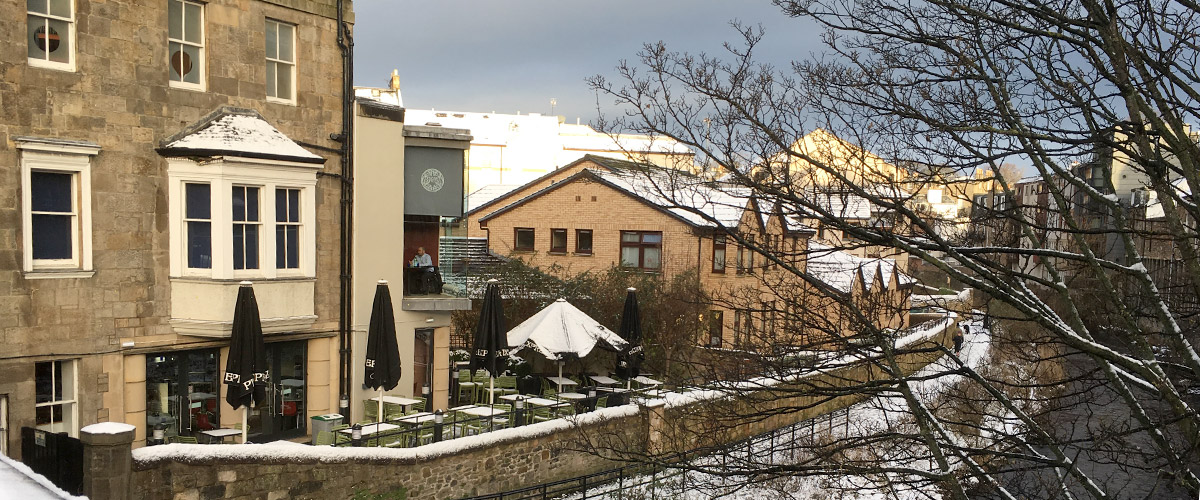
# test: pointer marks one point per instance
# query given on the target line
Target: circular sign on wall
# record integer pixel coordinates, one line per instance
(432, 180)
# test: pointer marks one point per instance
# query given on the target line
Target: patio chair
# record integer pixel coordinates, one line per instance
(182, 439)
(503, 420)
(393, 412)
(416, 407)
(324, 438)
(470, 425)
(541, 414)
(339, 427)
(371, 409)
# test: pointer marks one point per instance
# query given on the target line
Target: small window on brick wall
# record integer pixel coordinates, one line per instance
(718, 257)
(583, 241)
(558, 240)
(523, 238)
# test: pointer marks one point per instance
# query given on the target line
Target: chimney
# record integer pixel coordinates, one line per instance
(394, 81)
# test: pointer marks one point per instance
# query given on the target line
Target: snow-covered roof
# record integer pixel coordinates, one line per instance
(22, 482)
(1154, 209)
(843, 205)
(231, 131)
(839, 269)
(686, 196)
(487, 193)
(562, 329)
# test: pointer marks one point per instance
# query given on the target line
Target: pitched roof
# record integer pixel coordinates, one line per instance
(839, 269)
(607, 163)
(231, 131)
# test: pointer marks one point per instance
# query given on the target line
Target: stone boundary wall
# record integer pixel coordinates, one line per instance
(513, 460)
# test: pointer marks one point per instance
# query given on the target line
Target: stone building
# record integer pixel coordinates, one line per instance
(142, 148)
(600, 212)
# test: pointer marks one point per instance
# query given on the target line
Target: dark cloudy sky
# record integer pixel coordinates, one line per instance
(515, 55)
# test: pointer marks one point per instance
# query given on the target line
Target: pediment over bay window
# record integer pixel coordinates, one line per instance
(242, 206)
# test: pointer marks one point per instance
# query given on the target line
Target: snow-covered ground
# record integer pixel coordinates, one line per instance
(863, 419)
(17, 480)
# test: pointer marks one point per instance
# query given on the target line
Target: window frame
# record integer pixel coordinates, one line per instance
(246, 224)
(4, 424)
(641, 245)
(559, 249)
(298, 224)
(591, 242)
(61, 157)
(517, 239)
(720, 243)
(222, 175)
(201, 46)
(71, 404)
(716, 321)
(292, 69)
(187, 222)
(47, 63)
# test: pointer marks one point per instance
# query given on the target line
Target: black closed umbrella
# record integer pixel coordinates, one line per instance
(629, 360)
(383, 355)
(491, 339)
(246, 369)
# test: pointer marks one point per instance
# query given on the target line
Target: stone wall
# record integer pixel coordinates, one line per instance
(509, 462)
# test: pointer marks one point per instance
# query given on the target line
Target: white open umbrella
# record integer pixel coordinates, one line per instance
(561, 330)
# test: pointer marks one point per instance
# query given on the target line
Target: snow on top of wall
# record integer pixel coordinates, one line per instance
(240, 133)
(329, 454)
(108, 428)
(22, 482)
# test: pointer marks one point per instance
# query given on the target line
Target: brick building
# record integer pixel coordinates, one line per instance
(153, 155)
(599, 212)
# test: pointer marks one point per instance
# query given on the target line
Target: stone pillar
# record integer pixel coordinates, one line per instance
(107, 460)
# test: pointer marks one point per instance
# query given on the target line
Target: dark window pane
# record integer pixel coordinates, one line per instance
(200, 245)
(293, 247)
(252, 204)
(52, 236)
(51, 192)
(239, 203)
(45, 414)
(36, 6)
(43, 374)
(583, 241)
(199, 198)
(251, 247)
(175, 19)
(239, 246)
(281, 201)
(294, 205)
(558, 240)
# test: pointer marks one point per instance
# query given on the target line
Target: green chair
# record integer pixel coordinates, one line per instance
(371, 410)
(324, 438)
(393, 412)
(182, 439)
(417, 407)
(541, 414)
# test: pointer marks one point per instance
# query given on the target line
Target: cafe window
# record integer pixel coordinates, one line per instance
(558, 240)
(523, 238)
(583, 241)
(641, 250)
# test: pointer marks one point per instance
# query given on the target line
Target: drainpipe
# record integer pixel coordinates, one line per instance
(345, 42)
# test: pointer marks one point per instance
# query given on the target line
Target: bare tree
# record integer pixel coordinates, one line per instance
(1087, 393)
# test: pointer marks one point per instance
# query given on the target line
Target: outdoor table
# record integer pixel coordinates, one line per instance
(461, 408)
(416, 418)
(535, 401)
(221, 434)
(396, 400)
(562, 380)
(615, 390)
(601, 379)
(371, 429)
(484, 411)
(574, 396)
(646, 380)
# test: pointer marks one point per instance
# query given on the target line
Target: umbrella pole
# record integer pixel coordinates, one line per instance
(245, 422)
(559, 363)
(491, 390)
(379, 413)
